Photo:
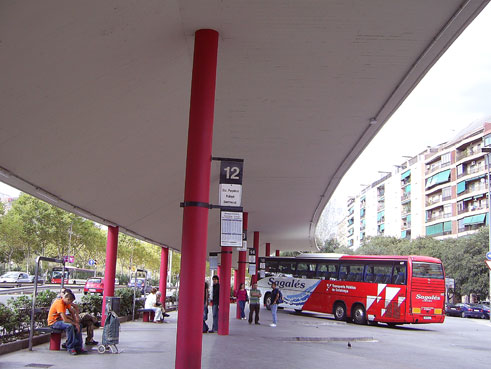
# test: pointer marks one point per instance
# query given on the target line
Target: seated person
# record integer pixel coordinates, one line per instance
(151, 304)
(86, 320)
(58, 319)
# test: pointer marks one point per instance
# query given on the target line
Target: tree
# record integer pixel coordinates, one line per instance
(10, 239)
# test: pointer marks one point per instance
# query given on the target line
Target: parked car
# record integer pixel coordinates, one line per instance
(140, 284)
(476, 311)
(94, 285)
(15, 277)
(457, 309)
(40, 279)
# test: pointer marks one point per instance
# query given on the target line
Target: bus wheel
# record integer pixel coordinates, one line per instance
(340, 311)
(359, 316)
(267, 301)
(298, 311)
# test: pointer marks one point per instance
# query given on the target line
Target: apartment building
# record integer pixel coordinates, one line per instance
(441, 192)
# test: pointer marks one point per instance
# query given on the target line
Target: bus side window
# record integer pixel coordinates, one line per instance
(343, 272)
(333, 272)
(322, 271)
(399, 275)
(287, 267)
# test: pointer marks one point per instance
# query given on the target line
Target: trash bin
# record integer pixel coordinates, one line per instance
(113, 304)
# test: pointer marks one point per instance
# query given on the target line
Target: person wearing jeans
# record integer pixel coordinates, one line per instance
(58, 319)
(242, 298)
(275, 294)
(216, 300)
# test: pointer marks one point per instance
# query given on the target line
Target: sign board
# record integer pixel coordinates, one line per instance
(244, 246)
(69, 259)
(252, 269)
(252, 256)
(488, 255)
(231, 172)
(213, 259)
(91, 262)
(230, 194)
(488, 263)
(231, 228)
(450, 283)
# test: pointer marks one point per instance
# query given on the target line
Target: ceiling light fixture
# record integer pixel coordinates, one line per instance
(372, 121)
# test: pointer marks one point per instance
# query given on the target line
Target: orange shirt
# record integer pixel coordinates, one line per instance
(57, 307)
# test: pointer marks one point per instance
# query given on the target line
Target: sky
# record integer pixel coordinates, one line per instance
(454, 93)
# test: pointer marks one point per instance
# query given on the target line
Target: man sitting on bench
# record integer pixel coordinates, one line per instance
(151, 304)
(58, 319)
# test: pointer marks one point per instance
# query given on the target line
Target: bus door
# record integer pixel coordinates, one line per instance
(427, 292)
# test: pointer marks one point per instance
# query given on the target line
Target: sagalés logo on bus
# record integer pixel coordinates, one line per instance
(427, 298)
(293, 283)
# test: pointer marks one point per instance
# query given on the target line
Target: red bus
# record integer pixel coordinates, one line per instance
(362, 288)
(72, 275)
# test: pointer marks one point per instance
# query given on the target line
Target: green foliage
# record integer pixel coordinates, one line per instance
(7, 323)
(45, 298)
(92, 304)
(126, 302)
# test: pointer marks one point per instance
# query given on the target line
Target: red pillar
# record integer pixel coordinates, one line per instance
(256, 246)
(110, 270)
(197, 190)
(218, 271)
(164, 261)
(277, 252)
(242, 260)
(224, 304)
(268, 249)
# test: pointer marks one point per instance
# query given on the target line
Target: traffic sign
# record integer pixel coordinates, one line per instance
(488, 263)
(488, 255)
(91, 262)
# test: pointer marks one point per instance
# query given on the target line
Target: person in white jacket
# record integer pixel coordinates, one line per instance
(151, 303)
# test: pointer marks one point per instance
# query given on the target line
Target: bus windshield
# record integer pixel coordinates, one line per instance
(427, 270)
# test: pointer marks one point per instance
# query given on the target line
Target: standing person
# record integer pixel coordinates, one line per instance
(151, 304)
(275, 295)
(215, 300)
(205, 310)
(58, 319)
(254, 304)
(242, 298)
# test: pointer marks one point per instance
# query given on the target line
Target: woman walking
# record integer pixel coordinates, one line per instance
(242, 298)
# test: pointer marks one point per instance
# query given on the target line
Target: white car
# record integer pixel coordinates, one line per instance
(15, 277)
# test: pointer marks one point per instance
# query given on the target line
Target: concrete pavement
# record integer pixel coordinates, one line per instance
(299, 341)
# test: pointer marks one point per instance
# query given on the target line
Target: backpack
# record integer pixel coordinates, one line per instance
(280, 297)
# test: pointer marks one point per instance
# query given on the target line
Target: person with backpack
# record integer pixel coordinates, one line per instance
(276, 298)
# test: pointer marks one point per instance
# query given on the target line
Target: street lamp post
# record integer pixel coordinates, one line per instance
(487, 151)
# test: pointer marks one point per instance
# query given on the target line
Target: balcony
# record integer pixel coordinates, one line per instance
(406, 226)
(471, 208)
(475, 169)
(433, 200)
(405, 212)
(436, 167)
(433, 218)
(475, 188)
(406, 196)
(468, 152)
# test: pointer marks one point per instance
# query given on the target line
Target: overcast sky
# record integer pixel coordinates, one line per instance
(456, 92)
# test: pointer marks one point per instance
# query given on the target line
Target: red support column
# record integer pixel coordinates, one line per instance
(268, 249)
(277, 253)
(164, 261)
(256, 246)
(224, 304)
(218, 271)
(110, 270)
(197, 190)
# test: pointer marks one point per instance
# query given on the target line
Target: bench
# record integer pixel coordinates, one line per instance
(55, 337)
(148, 314)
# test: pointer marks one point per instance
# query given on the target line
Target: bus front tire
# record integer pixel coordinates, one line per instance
(359, 315)
(267, 301)
(339, 311)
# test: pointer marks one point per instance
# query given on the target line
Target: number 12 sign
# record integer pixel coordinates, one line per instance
(230, 188)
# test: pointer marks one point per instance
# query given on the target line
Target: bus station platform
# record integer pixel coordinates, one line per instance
(299, 341)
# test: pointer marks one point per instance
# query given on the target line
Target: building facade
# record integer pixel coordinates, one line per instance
(441, 192)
